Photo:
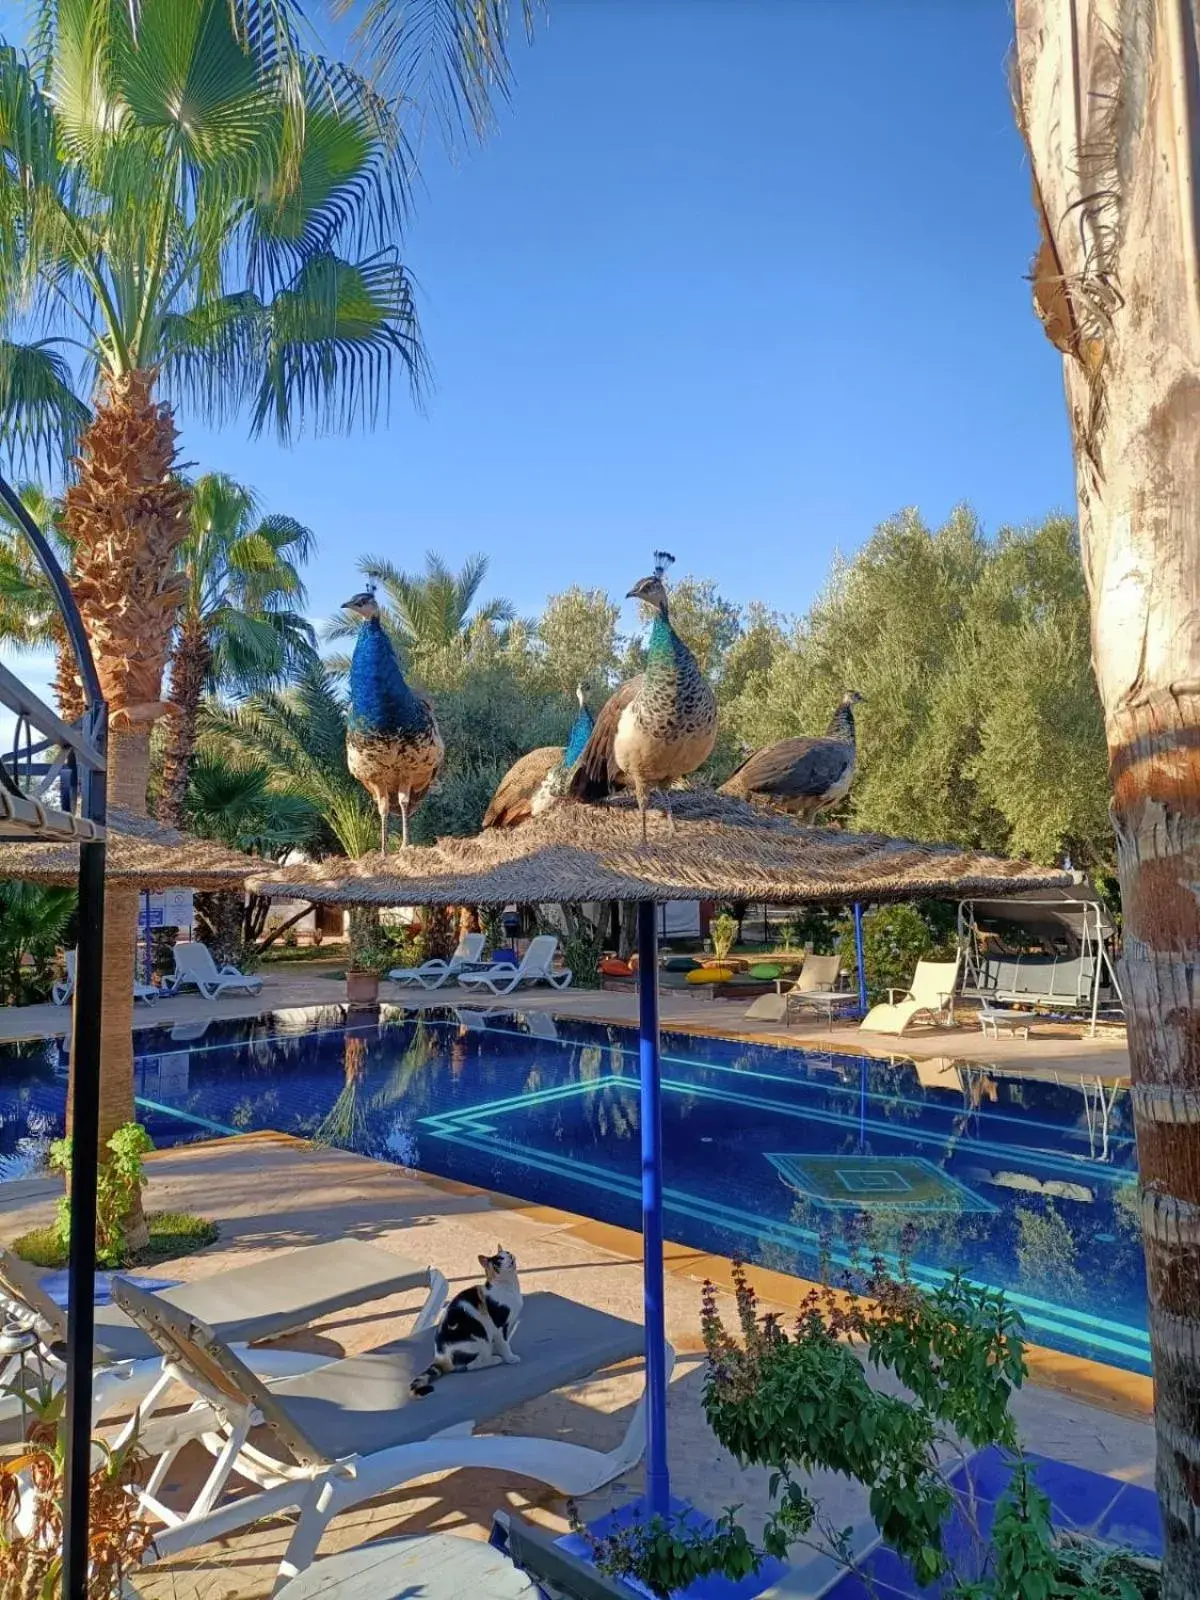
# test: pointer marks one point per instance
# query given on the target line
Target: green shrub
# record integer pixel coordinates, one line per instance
(895, 938)
(119, 1183)
(722, 931)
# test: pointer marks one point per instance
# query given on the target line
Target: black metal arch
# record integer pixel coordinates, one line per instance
(85, 751)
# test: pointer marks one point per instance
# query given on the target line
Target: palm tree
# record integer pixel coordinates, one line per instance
(1107, 101)
(237, 804)
(300, 735)
(239, 627)
(192, 204)
(428, 615)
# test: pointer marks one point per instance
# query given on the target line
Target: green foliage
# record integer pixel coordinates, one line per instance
(801, 1402)
(895, 938)
(238, 805)
(370, 951)
(723, 930)
(207, 199)
(244, 593)
(578, 634)
(668, 1555)
(33, 924)
(982, 724)
(298, 736)
(172, 1234)
(119, 1183)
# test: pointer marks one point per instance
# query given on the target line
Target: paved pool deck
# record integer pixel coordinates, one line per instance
(1055, 1050)
(268, 1193)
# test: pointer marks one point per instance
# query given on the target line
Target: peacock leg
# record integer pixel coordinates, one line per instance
(666, 800)
(384, 809)
(403, 821)
(642, 794)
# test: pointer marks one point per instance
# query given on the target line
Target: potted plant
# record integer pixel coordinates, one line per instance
(369, 957)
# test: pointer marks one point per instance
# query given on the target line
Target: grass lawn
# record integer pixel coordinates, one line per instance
(172, 1234)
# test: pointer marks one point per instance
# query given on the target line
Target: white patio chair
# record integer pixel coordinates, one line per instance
(433, 973)
(814, 986)
(536, 967)
(353, 1430)
(930, 999)
(195, 968)
(64, 990)
(290, 1290)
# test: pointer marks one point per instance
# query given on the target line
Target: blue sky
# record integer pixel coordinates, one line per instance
(735, 277)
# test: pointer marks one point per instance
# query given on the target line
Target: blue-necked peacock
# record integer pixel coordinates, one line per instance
(803, 776)
(657, 728)
(540, 777)
(393, 746)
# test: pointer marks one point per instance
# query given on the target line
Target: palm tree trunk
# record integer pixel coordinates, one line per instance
(190, 662)
(126, 516)
(1109, 101)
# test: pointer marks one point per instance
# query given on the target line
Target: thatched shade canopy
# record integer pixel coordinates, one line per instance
(722, 849)
(140, 852)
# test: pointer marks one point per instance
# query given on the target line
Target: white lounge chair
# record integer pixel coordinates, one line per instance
(195, 968)
(433, 973)
(815, 986)
(993, 1017)
(930, 999)
(290, 1290)
(536, 967)
(352, 1430)
(64, 990)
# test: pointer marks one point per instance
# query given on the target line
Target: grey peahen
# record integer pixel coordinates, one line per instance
(393, 746)
(803, 776)
(660, 726)
(539, 778)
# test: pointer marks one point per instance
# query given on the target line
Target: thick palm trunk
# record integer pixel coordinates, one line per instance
(126, 515)
(1108, 96)
(190, 662)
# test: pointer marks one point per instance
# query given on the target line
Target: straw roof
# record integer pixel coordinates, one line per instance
(140, 852)
(722, 849)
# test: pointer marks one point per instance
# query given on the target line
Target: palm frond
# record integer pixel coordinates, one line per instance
(41, 416)
(331, 341)
(449, 56)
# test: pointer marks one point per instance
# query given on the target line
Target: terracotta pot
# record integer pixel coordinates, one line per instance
(362, 988)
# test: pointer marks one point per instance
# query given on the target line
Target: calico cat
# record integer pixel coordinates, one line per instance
(478, 1325)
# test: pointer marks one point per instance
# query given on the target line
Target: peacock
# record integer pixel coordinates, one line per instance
(658, 727)
(393, 746)
(803, 776)
(539, 778)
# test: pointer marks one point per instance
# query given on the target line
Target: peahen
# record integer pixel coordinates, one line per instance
(393, 746)
(539, 778)
(658, 727)
(803, 776)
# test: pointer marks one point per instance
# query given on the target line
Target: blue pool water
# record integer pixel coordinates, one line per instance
(775, 1155)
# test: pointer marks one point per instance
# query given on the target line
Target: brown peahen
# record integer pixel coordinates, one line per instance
(803, 776)
(657, 728)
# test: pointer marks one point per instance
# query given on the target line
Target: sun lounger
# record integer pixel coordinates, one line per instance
(64, 990)
(289, 1290)
(349, 1431)
(435, 972)
(535, 968)
(930, 999)
(195, 968)
(815, 986)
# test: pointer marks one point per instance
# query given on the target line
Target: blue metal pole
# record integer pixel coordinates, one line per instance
(658, 1487)
(860, 959)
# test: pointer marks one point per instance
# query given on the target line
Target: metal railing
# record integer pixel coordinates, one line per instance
(46, 752)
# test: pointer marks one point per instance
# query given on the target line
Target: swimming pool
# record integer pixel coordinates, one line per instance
(772, 1154)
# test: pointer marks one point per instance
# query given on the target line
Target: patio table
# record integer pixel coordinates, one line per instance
(436, 1566)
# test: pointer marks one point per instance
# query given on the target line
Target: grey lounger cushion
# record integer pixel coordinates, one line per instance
(363, 1405)
(271, 1297)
